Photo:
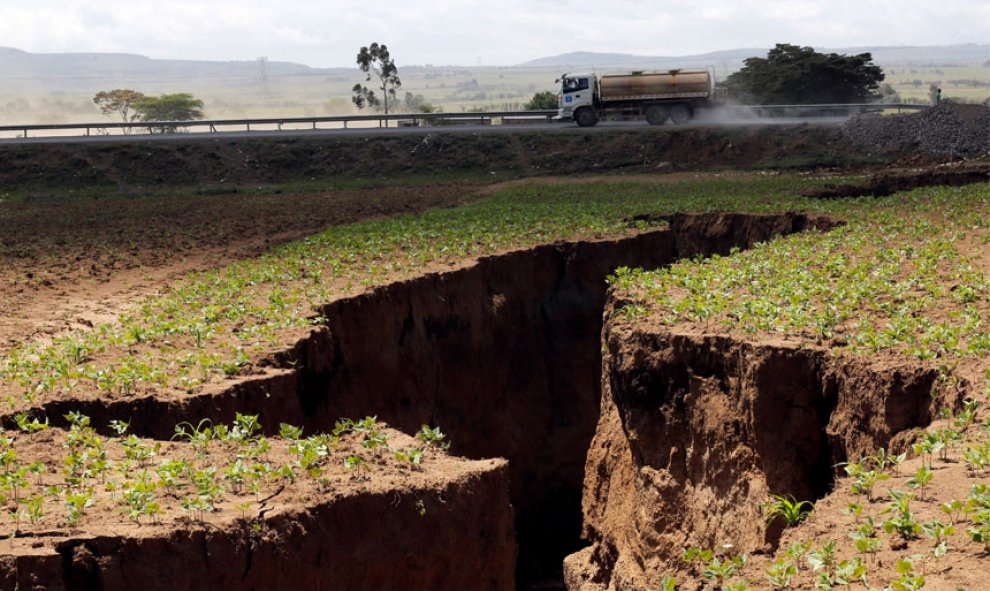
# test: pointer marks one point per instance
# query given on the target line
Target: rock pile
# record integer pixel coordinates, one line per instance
(948, 129)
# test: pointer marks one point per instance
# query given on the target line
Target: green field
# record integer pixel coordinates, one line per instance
(215, 323)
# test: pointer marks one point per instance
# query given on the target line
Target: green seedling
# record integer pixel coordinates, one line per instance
(920, 481)
(902, 519)
(908, 580)
(787, 509)
(75, 504)
(780, 574)
(433, 437)
(29, 425)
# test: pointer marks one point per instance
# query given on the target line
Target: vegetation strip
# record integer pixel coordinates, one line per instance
(905, 274)
(220, 324)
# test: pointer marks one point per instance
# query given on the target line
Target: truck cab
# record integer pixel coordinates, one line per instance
(576, 100)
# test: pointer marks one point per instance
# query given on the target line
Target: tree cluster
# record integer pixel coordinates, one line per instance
(132, 105)
(542, 101)
(800, 75)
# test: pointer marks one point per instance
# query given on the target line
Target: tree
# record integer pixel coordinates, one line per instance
(169, 107)
(376, 62)
(119, 101)
(888, 94)
(542, 101)
(800, 75)
(416, 103)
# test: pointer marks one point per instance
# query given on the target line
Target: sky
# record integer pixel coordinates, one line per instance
(327, 33)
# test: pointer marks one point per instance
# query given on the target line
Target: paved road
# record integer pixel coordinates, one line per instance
(456, 129)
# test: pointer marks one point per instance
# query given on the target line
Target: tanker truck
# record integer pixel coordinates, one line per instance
(657, 96)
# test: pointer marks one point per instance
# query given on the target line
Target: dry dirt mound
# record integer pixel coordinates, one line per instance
(948, 129)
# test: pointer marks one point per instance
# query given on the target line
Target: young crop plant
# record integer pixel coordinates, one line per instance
(977, 458)
(787, 509)
(920, 481)
(902, 519)
(720, 569)
(414, 456)
(75, 504)
(433, 437)
(939, 532)
(692, 556)
(908, 579)
(139, 498)
(780, 574)
(29, 425)
(199, 435)
(864, 480)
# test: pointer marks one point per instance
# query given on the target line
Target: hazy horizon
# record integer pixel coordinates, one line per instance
(455, 32)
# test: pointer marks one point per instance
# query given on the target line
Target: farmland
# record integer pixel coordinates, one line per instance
(315, 351)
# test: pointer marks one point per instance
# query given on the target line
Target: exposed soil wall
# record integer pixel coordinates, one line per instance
(504, 356)
(461, 537)
(697, 430)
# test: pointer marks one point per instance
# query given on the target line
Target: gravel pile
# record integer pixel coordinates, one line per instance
(948, 129)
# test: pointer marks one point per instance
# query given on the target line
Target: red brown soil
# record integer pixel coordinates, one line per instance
(424, 342)
(432, 350)
(72, 262)
(698, 430)
(386, 525)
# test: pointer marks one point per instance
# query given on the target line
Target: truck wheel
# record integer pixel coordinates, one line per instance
(680, 114)
(586, 117)
(657, 114)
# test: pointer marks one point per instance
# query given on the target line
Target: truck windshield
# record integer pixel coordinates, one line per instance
(575, 84)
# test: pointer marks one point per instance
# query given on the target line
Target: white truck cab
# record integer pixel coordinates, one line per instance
(576, 91)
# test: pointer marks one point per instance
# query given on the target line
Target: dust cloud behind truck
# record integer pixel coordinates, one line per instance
(658, 96)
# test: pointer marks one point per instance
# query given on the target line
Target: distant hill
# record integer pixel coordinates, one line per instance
(968, 54)
(69, 71)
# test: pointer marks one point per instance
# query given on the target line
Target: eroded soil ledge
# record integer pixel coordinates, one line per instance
(504, 355)
(449, 529)
(697, 430)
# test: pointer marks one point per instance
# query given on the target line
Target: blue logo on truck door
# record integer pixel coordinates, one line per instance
(568, 99)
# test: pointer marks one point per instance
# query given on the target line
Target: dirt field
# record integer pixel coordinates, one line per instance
(158, 346)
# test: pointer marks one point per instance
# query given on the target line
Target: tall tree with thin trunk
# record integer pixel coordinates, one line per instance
(377, 64)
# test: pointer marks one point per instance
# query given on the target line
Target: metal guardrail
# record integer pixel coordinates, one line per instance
(212, 125)
(843, 107)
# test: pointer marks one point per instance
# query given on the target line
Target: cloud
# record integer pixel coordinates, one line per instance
(462, 32)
